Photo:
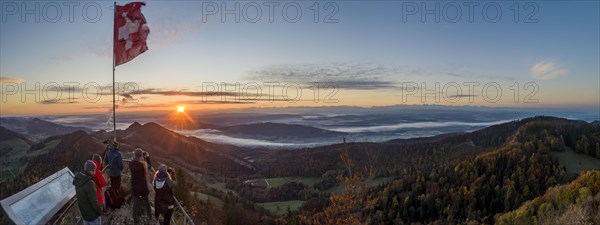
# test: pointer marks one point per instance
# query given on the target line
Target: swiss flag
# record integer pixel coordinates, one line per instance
(130, 32)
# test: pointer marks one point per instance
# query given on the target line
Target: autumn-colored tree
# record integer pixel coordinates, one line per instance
(372, 159)
(346, 207)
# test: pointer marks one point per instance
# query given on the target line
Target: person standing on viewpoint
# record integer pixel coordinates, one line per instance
(114, 159)
(164, 201)
(85, 192)
(99, 180)
(139, 185)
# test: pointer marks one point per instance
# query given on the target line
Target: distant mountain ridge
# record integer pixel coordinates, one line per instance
(6, 134)
(157, 139)
(37, 129)
(443, 149)
(12, 142)
(164, 145)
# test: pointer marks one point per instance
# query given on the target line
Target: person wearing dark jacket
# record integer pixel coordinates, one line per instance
(115, 166)
(139, 185)
(164, 201)
(85, 192)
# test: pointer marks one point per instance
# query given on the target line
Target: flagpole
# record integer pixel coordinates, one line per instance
(113, 74)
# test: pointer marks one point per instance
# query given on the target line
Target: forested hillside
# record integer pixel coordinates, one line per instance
(477, 190)
(499, 181)
(575, 203)
(509, 173)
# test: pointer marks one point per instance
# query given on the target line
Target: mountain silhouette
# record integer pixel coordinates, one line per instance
(37, 129)
(12, 142)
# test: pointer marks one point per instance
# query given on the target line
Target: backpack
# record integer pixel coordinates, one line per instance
(113, 199)
(164, 196)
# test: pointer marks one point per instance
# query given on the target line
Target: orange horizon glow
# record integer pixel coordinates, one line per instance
(180, 119)
(15, 107)
(29, 109)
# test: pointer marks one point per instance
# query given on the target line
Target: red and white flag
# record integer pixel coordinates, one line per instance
(130, 32)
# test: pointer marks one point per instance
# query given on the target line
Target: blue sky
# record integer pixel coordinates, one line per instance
(368, 53)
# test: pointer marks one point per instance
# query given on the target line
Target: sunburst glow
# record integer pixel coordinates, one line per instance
(180, 108)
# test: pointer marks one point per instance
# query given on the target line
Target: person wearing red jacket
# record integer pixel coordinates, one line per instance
(99, 179)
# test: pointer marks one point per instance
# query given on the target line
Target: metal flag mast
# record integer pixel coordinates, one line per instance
(113, 75)
(135, 32)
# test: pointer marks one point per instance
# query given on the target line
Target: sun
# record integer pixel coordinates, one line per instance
(180, 108)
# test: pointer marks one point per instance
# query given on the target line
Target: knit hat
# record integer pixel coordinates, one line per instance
(89, 165)
(138, 154)
(162, 168)
(162, 174)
